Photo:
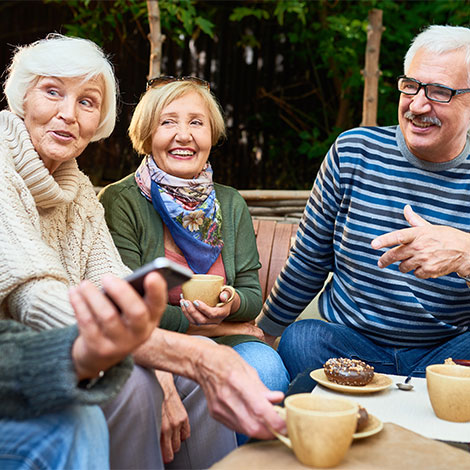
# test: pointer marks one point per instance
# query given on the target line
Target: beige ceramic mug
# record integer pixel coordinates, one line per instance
(320, 429)
(449, 391)
(206, 287)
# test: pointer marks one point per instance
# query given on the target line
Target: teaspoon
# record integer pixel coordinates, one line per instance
(405, 385)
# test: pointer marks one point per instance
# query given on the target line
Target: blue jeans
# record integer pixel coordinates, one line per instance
(267, 363)
(269, 366)
(75, 438)
(308, 344)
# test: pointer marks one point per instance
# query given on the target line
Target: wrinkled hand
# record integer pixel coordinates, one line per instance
(430, 250)
(175, 421)
(199, 313)
(105, 336)
(235, 394)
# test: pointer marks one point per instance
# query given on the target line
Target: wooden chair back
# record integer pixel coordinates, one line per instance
(274, 240)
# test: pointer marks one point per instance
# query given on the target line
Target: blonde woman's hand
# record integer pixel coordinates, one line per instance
(199, 313)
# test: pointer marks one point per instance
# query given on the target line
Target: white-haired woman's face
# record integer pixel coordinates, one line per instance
(62, 115)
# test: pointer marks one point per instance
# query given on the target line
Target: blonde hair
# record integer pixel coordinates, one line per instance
(62, 56)
(147, 113)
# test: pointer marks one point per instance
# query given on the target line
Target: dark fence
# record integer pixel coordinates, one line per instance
(251, 84)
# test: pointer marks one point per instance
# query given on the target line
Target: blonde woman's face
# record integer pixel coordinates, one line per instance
(62, 115)
(182, 140)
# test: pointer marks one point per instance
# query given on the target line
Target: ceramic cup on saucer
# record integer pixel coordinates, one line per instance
(320, 429)
(207, 288)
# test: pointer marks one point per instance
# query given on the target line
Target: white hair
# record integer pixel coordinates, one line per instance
(62, 56)
(440, 39)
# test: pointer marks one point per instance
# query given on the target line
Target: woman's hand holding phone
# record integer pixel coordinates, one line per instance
(105, 337)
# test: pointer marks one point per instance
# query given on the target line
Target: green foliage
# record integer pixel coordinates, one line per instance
(318, 92)
(283, 7)
(100, 21)
(239, 13)
(181, 18)
(327, 41)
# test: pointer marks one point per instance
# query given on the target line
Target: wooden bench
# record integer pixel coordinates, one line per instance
(274, 239)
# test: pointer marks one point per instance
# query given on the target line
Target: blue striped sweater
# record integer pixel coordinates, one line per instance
(366, 179)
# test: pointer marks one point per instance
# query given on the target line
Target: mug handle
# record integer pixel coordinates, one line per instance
(284, 439)
(232, 295)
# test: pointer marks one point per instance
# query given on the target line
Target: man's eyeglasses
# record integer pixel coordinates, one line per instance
(164, 79)
(433, 91)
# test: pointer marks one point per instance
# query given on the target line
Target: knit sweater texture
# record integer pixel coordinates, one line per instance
(52, 233)
(38, 375)
(137, 230)
(366, 179)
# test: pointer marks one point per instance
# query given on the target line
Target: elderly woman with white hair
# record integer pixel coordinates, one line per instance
(62, 95)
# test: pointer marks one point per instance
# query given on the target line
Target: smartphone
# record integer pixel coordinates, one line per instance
(173, 273)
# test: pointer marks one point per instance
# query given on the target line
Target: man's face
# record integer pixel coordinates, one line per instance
(442, 137)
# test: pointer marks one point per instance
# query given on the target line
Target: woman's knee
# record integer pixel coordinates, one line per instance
(267, 363)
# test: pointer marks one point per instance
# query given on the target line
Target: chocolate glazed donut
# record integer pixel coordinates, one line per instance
(346, 371)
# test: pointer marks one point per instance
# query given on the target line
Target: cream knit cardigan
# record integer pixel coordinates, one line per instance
(52, 233)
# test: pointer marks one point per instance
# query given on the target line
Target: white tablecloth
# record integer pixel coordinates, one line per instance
(410, 409)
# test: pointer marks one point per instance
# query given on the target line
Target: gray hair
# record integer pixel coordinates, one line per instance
(62, 56)
(440, 39)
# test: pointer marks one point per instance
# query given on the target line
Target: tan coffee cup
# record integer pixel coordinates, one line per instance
(207, 288)
(320, 429)
(449, 391)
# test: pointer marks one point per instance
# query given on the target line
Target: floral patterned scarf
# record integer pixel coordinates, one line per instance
(190, 210)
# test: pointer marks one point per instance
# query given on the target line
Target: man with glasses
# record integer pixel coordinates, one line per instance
(389, 216)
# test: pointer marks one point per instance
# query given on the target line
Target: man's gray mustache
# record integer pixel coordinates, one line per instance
(426, 119)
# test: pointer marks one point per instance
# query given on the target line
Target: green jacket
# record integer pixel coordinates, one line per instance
(137, 230)
(37, 374)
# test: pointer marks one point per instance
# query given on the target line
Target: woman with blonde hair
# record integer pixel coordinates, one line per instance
(172, 207)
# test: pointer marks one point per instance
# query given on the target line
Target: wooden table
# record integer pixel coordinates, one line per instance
(394, 448)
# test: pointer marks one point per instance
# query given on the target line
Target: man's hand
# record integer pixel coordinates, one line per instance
(175, 421)
(235, 394)
(430, 250)
(106, 336)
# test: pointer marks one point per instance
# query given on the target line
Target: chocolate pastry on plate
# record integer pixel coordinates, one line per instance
(362, 419)
(346, 371)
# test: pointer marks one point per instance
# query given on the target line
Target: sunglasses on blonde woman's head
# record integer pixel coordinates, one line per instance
(164, 79)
